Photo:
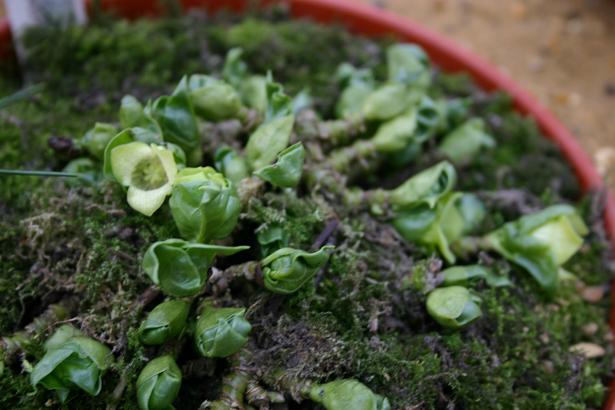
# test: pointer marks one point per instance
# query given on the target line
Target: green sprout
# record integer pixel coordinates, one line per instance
(287, 269)
(158, 384)
(286, 171)
(179, 267)
(71, 361)
(347, 394)
(220, 332)
(541, 242)
(165, 322)
(204, 204)
(453, 306)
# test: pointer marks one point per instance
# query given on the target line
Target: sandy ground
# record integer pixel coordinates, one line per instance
(563, 51)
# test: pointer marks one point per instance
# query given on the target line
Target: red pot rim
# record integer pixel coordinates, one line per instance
(445, 53)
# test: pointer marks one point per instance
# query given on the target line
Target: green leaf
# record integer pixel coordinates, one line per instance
(438, 227)
(72, 361)
(472, 212)
(213, 99)
(175, 117)
(132, 114)
(235, 69)
(470, 274)
(287, 269)
(231, 164)
(268, 141)
(357, 85)
(347, 394)
(286, 171)
(408, 64)
(272, 238)
(387, 102)
(279, 105)
(165, 322)
(253, 92)
(465, 142)
(453, 306)
(430, 118)
(96, 139)
(426, 187)
(221, 332)
(158, 384)
(204, 204)
(541, 242)
(396, 134)
(179, 267)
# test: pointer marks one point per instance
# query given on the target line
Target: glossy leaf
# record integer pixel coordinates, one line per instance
(387, 102)
(204, 204)
(397, 134)
(148, 171)
(437, 227)
(357, 85)
(221, 332)
(175, 117)
(158, 384)
(72, 361)
(165, 322)
(408, 64)
(231, 164)
(453, 306)
(541, 242)
(213, 99)
(347, 394)
(287, 269)
(96, 139)
(426, 187)
(286, 171)
(268, 141)
(180, 267)
(471, 274)
(466, 141)
(272, 238)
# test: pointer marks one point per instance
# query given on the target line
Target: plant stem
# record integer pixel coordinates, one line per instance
(20, 95)
(27, 172)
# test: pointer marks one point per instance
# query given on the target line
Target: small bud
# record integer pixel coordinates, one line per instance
(165, 322)
(220, 332)
(453, 306)
(287, 270)
(158, 384)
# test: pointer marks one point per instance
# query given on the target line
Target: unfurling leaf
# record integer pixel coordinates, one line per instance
(268, 141)
(213, 99)
(347, 394)
(453, 306)
(204, 204)
(72, 361)
(158, 384)
(180, 267)
(466, 141)
(541, 243)
(426, 187)
(287, 269)
(286, 171)
(397, 134)
(469, 275)
(220, 332)
(165, 322)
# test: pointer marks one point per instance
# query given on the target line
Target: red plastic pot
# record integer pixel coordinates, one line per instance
(449, 56)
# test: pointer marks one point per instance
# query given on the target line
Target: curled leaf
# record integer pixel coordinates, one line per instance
(347, 394)
(165, 322)
(466, 141)
(231, 164)
(286, 171)
(72, 361)
(213, 99)
(426, 187)
(408, 64)
(180, 267)
(541, 242)
(204, 204)
(287, 269)
(387, 102)
(396, 134)
(158, 384)
(469, 275)
(220, 332)
(268, 140)
(453, 306)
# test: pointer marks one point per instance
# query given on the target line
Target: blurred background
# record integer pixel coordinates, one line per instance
(562, 51)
